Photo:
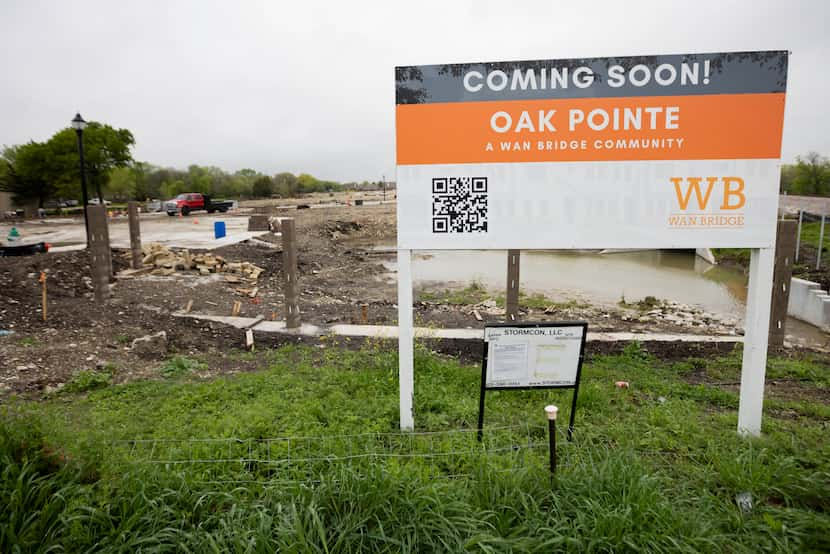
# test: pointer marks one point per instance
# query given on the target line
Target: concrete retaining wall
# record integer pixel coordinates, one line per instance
(809, 303)
(814, 204)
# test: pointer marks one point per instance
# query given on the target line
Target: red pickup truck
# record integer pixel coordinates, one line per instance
(191, 201)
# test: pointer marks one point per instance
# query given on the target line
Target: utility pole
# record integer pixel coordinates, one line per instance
(383, 178)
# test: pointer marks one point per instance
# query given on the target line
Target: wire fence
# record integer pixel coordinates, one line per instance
(807, 217)
(452, 453)
(448, 454)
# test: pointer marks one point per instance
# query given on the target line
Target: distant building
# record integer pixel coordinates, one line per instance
(5, 202)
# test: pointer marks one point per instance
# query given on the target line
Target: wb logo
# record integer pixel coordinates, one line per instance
(732, 189)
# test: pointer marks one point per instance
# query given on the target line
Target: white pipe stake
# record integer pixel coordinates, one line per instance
(551, 412)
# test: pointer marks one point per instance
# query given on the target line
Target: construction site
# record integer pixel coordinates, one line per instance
(618, 340)
(197, 295)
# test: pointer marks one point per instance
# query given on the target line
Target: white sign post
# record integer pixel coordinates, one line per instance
(756, 337)
(657, 152)
(406, 345)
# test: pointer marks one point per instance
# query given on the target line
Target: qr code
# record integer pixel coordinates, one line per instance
(459, 205)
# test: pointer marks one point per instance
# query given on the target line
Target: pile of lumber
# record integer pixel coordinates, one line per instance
(160, 260)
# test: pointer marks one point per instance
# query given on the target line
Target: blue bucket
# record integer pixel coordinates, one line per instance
(218, 229)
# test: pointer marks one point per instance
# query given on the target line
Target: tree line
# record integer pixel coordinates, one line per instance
(809, 176)
(37, 172)
(141, 181)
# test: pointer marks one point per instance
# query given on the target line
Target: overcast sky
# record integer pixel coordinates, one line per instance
(307, 86)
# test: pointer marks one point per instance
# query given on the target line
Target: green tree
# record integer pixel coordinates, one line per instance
(811, 175)
(787, 176)
(306, 183)
(199, 180)
(105, 148)
(173, 187)
(121, 185)
(142, 188)
(285, 184)
(241, 183)
(30, 172)
(263, 187)
(156, 180)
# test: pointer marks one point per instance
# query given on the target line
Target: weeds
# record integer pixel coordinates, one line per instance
(646, 304)
(178, 366)
(538, 301)
(474, 293)
(641, 474)
(88, 380)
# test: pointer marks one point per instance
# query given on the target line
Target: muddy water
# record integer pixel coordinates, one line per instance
(603, 278)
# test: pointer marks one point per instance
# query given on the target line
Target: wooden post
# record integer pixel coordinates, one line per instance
(784, 257)
(512, 299)
(820, 243)
(43, 299)
(289, 267)
(99, 247)
(135, 234)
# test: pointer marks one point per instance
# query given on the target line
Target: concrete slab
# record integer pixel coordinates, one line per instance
(391, 331)
(306, 329)
(238, 322)
(195, 232)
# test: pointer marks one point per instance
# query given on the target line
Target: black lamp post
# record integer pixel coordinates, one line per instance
(79, 125)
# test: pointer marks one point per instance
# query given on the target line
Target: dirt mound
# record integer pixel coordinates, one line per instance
(336, 229)
(69, 279)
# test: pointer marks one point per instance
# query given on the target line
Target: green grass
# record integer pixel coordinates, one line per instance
(178, 366)
(87, 380)
(643, 474)
(810, 233)
(474, 293)
(538, 301)
(736, 256)
(643, 305)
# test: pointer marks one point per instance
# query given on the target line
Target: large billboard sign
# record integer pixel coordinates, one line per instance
(669, 151)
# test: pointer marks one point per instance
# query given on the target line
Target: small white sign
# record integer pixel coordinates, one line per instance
(544, 356)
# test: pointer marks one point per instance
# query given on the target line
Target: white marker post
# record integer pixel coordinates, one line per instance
(551, 412)
(406, 350)
(756, 336)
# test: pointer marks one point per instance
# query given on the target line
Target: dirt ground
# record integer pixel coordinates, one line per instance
(341, 269)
